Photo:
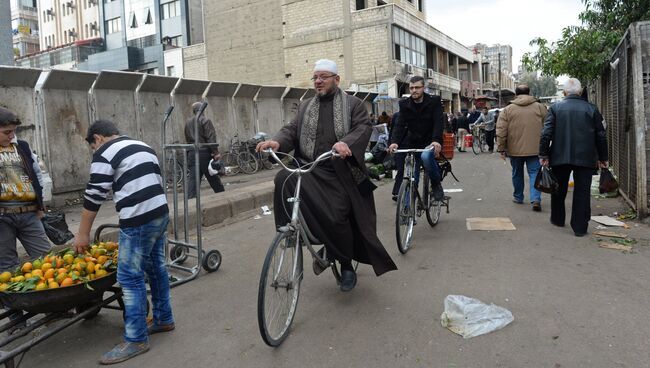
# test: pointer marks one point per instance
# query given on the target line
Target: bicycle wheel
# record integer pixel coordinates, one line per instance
(279, 287)
(432, 206)
(230, 161)
(247, 162)
(484, 144)
(476, 144)
(404, 217)
(172, 166)
(265, 161)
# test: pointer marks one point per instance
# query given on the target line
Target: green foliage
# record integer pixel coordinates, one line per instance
(540, 86)
(583, 52)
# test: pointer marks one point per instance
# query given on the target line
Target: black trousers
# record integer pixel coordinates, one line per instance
(204, 161)
(581, 204)
(489, 137)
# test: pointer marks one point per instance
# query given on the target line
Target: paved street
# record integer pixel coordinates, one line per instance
(574, 304)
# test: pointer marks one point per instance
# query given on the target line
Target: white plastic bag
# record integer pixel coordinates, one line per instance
(470, 317)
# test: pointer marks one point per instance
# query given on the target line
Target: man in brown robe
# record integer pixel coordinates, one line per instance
(337, 201)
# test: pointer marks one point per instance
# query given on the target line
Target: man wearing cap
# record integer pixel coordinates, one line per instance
(21, 196)
(207, 134)
(337, 199)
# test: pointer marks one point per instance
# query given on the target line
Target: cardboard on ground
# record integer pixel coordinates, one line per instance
(489, 224)
(607, 221)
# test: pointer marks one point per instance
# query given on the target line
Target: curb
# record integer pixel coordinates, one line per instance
(217, 210)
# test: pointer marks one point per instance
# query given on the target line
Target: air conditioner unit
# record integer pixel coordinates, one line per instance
(93, 26)
(408, 69)
(92, 2)
(429, 73)
(49, 12)
(72, 34)
(69, 4)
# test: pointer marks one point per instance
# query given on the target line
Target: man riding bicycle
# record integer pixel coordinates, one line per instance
(338, 203)
(420, 125)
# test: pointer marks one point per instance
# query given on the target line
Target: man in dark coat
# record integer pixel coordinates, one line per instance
(336, 197)
(207, 134)
(573, 140)
(420, 125)
(462, 123)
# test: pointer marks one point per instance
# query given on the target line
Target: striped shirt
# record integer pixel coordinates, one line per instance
(130, 169)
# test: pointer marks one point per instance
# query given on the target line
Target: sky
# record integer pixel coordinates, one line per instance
(511, 22)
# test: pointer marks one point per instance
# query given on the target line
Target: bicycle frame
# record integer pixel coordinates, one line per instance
(409, 170)
(297, 224)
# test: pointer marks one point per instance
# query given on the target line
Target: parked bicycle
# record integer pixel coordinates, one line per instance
(175, 170)
(282, 272)
(410, 203)
(479, 143)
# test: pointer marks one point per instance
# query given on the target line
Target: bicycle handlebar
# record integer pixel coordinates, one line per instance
(415, 150)
(310, 165)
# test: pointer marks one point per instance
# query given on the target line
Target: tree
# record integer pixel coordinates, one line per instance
(540, 86)
(584, 51)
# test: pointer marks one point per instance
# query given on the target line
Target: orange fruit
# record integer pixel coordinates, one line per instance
(46, 266)
(90, 267)
(59, 262)
(26, 267)
(61, 270)
(28, 275)
(41, 286)
(48, 274)
(102, 259)
(5, 277)
(53, 285)
(68, 259)
(60, 277)
(66, 282)
(38, 273)
(37, 264)
(101, 273)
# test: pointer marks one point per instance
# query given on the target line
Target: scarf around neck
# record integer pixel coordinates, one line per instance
(310, 122)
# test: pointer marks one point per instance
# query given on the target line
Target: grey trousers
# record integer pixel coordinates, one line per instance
(27, 228)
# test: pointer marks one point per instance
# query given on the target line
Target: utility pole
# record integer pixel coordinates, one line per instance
(499, 55)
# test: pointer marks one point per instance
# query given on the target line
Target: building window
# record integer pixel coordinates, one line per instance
(113, 25)
(148, 18)
(176, 41)
(409, 48)
(170, 71)
(170, 10)
(361, 4)
(133, 22)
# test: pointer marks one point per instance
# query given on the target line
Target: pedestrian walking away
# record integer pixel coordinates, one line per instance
(573, 140)
(207, 134)
(518, 132)
(462, 123)
(21, 196)
(130, 169)
(337, 202)
(420, 125)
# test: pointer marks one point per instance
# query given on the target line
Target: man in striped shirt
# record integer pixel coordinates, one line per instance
(130, 169)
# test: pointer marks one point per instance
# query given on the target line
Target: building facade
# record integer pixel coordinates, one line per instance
(24, 27)
(133, 35)
(378, 45)
(499, 79)
(6, 48)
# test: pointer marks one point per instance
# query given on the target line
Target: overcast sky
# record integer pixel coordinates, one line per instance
(512, 22)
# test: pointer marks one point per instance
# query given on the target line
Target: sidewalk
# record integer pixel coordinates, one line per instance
(244, 194)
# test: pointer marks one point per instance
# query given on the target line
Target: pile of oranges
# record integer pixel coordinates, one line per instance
(61, 269)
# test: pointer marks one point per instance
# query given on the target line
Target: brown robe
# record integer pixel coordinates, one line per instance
(337, 210)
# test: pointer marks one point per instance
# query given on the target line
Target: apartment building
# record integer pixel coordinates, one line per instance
(497, 60)
(6, 52)
(24, 27)
(378, 44)
(134, 35)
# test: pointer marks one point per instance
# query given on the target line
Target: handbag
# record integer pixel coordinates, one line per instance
(607, 183)
(545, 181)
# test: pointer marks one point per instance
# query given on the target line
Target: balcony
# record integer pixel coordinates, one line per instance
(403, 72)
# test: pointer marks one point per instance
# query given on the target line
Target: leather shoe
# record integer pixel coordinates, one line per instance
(537, 207)
(348, 280)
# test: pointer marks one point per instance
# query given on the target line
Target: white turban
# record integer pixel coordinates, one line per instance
(325, 65)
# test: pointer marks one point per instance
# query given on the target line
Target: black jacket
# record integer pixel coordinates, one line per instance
(419, 124)
(26, 154)
(463, 123)
(573, 134)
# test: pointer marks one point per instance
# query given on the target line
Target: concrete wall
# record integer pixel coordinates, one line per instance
(66, 116)
(17, 95)
(269, 109)
(58, 106)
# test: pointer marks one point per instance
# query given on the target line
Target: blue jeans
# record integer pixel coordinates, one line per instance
(142, 250)
(426, 159)
(532, 166)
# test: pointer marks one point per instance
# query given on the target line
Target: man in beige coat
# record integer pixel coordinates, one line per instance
(518, 132)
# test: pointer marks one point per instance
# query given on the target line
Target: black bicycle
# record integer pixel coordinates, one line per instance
(410, 203)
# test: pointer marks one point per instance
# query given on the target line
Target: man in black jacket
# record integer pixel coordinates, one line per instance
(420, 125)
(207, 134)
(573, 140)
(21, 196)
